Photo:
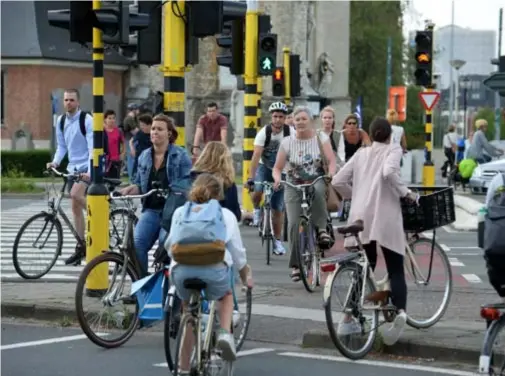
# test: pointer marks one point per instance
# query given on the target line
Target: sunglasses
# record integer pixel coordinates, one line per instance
(352, 123)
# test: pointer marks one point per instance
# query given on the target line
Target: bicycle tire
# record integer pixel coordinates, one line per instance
(300, 247)
(105, 257)
(120, 212)
(418, 324)
(486, 353)
(167, 336)
(245, 328)
(267, 236)
(329, 317)
(186, 318)
(57, 252)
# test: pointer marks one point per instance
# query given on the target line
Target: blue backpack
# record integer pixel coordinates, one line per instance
(199, 235)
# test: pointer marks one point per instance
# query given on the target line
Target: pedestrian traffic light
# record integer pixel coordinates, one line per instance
(424, 58)
(114, 19)
(149, 39)
(294, 75)
(278, 84)
(232, 42)
(267, 54)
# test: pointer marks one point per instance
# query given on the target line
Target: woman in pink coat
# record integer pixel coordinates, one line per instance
(374, 173)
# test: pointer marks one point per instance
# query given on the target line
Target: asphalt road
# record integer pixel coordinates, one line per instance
(29, 350)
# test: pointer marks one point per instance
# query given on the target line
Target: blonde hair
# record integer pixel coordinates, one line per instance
(216, 159)
(392, 116)
(479, 123)
(205, 188)
(331, 111)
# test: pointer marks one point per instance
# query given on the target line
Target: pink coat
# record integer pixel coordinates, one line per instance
(374, 173)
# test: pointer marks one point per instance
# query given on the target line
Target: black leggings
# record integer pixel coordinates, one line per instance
(396, 272)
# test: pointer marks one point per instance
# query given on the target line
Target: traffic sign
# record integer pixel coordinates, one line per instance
(429, 99)
(495, 81)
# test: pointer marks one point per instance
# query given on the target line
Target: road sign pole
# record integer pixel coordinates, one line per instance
(251, 95)
(428, 167)
(287, 76)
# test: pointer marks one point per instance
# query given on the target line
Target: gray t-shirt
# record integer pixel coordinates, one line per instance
(479, 144)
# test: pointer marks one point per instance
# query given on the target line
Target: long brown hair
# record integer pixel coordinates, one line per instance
(332, 112)
(216, 159)
(205, 188)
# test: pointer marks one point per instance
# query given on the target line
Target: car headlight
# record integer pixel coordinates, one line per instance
(477, 172)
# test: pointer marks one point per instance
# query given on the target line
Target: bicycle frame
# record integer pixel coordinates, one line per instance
(266, 206)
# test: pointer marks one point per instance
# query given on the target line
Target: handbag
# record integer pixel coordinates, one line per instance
(333, 199)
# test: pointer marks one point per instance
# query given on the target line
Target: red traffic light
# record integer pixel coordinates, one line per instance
(423, 58)
(278, 74)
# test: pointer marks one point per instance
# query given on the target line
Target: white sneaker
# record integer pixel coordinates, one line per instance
(256, 217)
(346, 328)
(279, 248)
(393, 334)
(226, 343)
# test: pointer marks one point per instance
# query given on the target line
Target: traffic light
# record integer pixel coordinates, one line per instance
(424, 58)
(149, 39)
(232, 42)
(114, 19)
(267, 54)
(278, 85)
(294, 76)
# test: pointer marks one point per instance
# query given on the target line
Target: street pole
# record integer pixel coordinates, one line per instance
(451, 58)
(260, 94)
(251, 94)
(429, 167)
(388, 71)
(97, 238)
(497, 110)
(287, 76)
(174, 62)
(456, 103)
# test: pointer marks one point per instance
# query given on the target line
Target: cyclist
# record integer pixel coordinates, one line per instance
(167, 164)
(217, 276)
(480, 144)
(266, 146)
(78, 144)
(302, 156)
(450, 142)
(374, 173)
(353, 139)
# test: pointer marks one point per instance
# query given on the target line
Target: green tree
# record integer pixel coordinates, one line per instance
(372, 23)
(488, 114)
(414, 125)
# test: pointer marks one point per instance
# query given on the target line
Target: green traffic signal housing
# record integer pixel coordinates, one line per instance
(267, 54)
(424, 58)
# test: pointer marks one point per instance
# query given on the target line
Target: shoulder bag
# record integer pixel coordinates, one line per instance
(333, 199)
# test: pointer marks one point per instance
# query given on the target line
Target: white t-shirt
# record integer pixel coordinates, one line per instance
(397, 134)
(270, 152)
(449, 139)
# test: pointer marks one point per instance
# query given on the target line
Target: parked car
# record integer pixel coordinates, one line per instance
(484, 173)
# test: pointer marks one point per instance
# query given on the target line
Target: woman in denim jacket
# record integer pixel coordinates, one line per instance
(167, 164)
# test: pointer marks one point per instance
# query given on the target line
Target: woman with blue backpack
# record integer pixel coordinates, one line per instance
(164, 163)
(205, 243)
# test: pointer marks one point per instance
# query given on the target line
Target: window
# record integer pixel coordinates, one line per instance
(2, 103)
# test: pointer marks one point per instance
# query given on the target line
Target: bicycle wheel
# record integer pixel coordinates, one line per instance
(23, 252)
(118, 219)
(240, 334)
(190, 323)
(169, 330)
(266, 233)
(439, 297)
(351, 306)
(306, 252)
(488, 357)
(120, 319)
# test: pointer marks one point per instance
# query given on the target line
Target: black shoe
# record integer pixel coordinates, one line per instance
(76, 258)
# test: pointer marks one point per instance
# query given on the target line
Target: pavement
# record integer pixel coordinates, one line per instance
(30, 349)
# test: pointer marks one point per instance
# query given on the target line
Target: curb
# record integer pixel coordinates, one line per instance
(404, 347)
(34, 311)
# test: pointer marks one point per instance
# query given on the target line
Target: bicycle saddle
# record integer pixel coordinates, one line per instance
(113, 182)
(354, 228)
(194, 284)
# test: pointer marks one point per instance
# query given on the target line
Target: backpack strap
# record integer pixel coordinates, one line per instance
(287, 130)
(82, 122)
(268, 135)
(62, 122)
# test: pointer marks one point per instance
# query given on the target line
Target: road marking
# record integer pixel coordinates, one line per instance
(472, 278)
(239, 354)
(445, 248)
(455, 262)
(450, 230)
(428, 235)
(48, 341)
(378, 363)
(465, 248)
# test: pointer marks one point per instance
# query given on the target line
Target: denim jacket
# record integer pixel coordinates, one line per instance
(178, 169)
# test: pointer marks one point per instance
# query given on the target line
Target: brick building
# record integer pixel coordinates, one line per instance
(39, 62)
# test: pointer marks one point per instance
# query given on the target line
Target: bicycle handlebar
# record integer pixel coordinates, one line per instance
(302, 186)
(52, 170)
(118, 196)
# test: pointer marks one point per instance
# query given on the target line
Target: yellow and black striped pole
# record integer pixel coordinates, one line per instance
(251, 95)
(174, 62)
(429, 167)
(259, 89)
(97, 238)
(287, 76)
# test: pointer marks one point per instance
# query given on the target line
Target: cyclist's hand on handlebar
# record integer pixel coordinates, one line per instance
(250, 184)
(277, 184)
(130, 190)
(249, 282)
(51, 164)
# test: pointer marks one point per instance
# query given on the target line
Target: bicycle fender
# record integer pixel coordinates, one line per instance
(328, 284)
(487, 347)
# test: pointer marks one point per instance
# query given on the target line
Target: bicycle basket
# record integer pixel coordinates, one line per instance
(434, 210)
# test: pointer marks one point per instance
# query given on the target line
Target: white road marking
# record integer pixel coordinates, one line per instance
(465, 248)
(239, 354)
(445, 248)
(378, 363)
(48, 341)
(472, 278)
(450, 230)
(455, 262)
(428, 234)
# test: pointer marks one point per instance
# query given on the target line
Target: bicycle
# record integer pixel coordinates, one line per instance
(362, 278)
(265, 226)
(309, 253)
(52, 223)
(494, 314)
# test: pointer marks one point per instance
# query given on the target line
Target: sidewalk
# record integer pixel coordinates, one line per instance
(449, 340)
(467, 209)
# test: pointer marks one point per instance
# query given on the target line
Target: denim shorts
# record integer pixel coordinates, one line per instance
(217, 278)
(265, 174)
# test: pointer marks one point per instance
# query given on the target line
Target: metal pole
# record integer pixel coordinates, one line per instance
(451, 58)
(465, 93)
(174, 61)
(429, 167)
(260, 94)
(497, 115)
(251, 94)
(388, 70)
(287, 76)
(97, 238)
(456, 101)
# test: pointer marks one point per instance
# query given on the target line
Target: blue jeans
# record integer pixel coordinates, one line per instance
(130, 160)
(265, 174)
(217, 278)
(147, 231)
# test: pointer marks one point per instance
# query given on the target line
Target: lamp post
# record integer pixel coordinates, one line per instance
(457, 64)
